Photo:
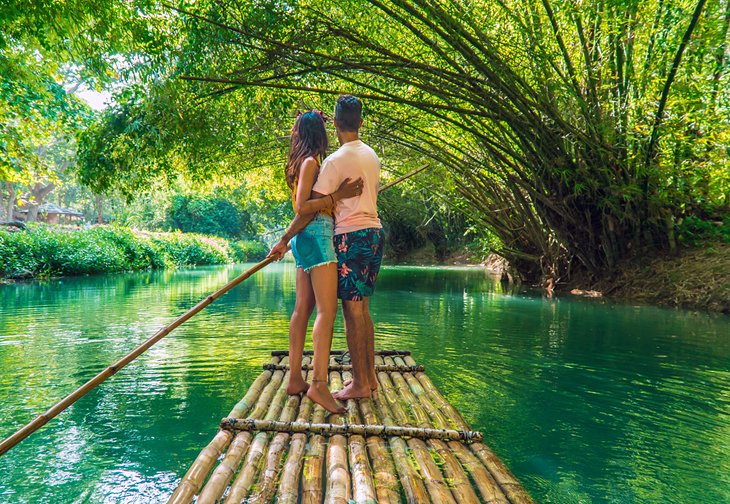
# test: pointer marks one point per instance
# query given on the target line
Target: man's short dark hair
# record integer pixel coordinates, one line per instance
(348, 113)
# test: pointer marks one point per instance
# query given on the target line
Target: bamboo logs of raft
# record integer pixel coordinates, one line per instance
(405, 444)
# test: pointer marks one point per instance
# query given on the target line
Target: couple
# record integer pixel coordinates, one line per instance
(337, 242)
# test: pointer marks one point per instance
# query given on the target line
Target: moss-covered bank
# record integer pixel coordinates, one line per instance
(44, 251)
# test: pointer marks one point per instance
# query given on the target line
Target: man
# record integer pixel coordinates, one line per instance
(358, 241)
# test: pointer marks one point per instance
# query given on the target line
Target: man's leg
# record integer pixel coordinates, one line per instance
(356, 330)
(370, 344)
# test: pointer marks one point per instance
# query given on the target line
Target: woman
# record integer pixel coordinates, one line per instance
(313, 250)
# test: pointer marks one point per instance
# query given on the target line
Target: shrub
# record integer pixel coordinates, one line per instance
(694, 230)
(53, 251)
(248, 251)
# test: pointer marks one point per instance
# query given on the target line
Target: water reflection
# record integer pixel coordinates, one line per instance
(585, 400)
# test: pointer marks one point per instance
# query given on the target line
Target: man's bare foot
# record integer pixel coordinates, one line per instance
(319, 393)
(352, 392)
(296, 387)
(373, 383)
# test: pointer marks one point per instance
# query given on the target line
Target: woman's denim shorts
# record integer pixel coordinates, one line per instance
(313, 246)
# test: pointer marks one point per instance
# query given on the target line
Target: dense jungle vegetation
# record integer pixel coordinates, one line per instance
(569, 136)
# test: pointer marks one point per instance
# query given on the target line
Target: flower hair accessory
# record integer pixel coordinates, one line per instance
(318, 112)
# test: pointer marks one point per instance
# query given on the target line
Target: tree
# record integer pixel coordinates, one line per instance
(560, 124)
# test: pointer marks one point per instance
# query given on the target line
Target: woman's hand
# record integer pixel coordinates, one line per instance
(279, 250)
(348, 189)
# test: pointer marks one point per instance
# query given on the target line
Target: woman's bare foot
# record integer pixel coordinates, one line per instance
(352, 392)
(296, 387)
(319, 393)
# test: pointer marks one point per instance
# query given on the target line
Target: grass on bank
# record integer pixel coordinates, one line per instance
(45, 251)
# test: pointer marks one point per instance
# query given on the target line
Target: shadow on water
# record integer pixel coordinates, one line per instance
(586, 401)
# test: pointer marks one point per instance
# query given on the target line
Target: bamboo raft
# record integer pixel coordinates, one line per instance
(405, 444)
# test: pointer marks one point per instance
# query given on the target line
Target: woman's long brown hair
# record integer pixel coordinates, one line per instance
(308, 138)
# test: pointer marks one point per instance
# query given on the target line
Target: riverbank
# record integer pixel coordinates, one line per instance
(698, 278)
(48, 251)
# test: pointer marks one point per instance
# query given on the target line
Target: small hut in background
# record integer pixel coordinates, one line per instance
(52, 214)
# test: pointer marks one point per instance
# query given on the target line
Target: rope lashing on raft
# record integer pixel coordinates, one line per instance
(348, 367)
(250, 424)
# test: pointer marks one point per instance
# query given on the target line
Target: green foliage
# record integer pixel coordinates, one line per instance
(695, 231)
(248, 250)
(214, 215)
(414, 217)
(51, 251)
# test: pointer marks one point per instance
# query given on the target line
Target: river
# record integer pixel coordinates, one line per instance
(584, 400)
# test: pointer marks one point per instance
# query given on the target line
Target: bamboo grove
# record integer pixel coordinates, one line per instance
(580, 132)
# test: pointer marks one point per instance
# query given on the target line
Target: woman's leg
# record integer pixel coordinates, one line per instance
(303, 308)
(324, 284)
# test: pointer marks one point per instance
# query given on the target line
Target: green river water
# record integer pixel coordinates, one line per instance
(586, 401)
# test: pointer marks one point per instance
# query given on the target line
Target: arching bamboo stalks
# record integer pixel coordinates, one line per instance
(338, 476)
(193, 480)
(221, 477)
(242, 484)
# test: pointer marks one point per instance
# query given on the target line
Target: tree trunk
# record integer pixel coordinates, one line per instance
(38, 194)
(99, 209)
(11, 200)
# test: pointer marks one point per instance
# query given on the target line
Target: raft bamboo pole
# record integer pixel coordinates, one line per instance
(338, 482)
(411, 481)
(459, 482)
(509, 485)
(384, 353)
(288, 489)
(221, 477)
(44, 418)
(383, 469)
(266, 485)
(348, 367)
(438, 491)
(314, 461)
(191, 483)
(345, 429)
(241, 486)
(363, 485)
(486, 485)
